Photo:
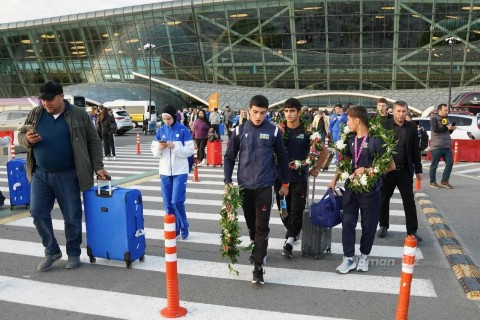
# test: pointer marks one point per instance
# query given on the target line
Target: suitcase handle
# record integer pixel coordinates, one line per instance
(99, 192)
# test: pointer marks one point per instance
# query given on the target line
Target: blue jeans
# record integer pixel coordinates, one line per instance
(63, 186)
(174, 193)
(447, 157)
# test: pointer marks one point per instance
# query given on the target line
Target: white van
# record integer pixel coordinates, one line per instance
(139, 110)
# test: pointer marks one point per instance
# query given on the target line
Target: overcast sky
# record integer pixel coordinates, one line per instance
(20, 10)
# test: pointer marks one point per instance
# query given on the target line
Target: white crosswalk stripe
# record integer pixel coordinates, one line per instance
(203, 204)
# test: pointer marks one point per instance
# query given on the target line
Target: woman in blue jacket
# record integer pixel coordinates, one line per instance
(173, 145)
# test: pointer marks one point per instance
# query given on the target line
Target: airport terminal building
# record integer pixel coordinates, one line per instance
(323, 51)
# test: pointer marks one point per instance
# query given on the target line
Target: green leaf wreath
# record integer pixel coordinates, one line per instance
(380, 164)
(316, 146)
(230, 237)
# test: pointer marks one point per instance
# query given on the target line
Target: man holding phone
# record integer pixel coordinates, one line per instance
(441, 146)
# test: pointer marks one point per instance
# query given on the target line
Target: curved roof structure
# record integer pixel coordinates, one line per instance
(408, 49)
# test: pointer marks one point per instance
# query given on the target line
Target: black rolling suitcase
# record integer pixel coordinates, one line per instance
(315, 240)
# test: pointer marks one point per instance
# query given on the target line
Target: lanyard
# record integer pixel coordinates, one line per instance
(357, 152)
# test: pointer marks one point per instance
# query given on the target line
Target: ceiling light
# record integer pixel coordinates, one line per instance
(172, 23)
(25, 41)
(302, 41)
(105, 35)
(77, 47)
(452, 17)
(415, 16)
(116, 34)
(47, 36)
(468, 8)
(435, 38)
(312, 8)
(29, 50)
(379, 17)
(239, 15)
(75, 42)
(132, 41)
(78, 52)
(388, 8)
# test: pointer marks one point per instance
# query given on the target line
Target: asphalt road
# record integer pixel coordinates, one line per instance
(298, 288)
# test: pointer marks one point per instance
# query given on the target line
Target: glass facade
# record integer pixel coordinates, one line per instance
(317, 45)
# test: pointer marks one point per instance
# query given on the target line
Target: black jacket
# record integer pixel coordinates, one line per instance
(413, 151)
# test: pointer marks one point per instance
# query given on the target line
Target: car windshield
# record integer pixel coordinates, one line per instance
(123, 114)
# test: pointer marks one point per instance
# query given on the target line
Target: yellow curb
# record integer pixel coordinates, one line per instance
(473, 295)
(449, 250)
(466, 270)
(436, 220)
(426, 201)
(444, 234)
(430, 210)
(15, 217)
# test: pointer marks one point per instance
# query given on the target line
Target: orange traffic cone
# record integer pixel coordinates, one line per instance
(138, 143)
(455, 153)
(12, 150)
(173, 309)
(408, 264)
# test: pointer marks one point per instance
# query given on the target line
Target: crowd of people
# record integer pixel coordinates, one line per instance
(264, 147)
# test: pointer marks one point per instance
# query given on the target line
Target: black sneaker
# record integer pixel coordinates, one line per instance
(258, 275)
(287, 250)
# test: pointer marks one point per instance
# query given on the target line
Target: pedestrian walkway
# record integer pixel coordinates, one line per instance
(207, 289)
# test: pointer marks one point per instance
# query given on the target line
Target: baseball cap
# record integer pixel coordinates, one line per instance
(50, 90)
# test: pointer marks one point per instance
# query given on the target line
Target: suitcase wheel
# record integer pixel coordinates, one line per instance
(11, 207)
(142, 258)
(317, 257)
(129, 264)
(93, 260)
(329, 250)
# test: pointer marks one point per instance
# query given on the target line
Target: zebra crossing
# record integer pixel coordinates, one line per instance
(207, 289)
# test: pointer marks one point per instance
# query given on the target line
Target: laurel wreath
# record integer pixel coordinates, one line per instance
(316, 146)
(231, 237)
(381, 162)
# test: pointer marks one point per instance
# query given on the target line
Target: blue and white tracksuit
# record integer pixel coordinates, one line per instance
(173, 169)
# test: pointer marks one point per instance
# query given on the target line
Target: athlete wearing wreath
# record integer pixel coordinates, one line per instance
(364, 161)
(296, 137)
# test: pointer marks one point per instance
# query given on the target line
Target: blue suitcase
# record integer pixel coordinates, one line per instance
(18, 184)
(114, 224)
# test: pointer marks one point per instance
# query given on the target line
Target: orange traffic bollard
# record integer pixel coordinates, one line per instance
(455, 153)
(408, 264)
(173, 309)
(138, 143)
(12, 151)
(418, 185)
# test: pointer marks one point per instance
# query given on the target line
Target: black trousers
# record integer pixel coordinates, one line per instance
(369, 206)
(296, 202)
(216, 128)
(257, 204)
(403, 180)
(201, 145)
(108, 144)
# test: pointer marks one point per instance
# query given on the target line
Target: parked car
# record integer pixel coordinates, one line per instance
(467, 101)
(460, 133)
(12, 120)
(466, 122)
(124, 121)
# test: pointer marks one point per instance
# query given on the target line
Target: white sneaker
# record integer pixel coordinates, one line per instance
(114, 158)
(362, 264)
(348, 263)
(106, 158)
(204, 161)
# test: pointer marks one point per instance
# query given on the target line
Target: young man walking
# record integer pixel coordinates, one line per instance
(256, 142)
(297, 145)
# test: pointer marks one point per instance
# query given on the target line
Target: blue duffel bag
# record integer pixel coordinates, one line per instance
(327, 213)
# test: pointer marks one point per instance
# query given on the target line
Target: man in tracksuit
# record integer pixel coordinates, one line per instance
(256, 142)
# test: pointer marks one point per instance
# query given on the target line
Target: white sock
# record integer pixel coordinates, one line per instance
(290, 240)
